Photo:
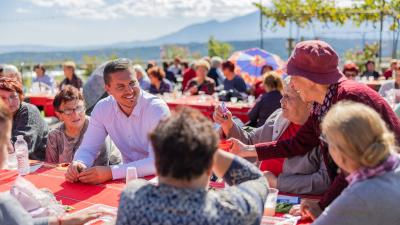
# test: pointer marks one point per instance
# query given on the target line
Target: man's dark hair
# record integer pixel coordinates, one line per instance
(228, 65)
(117, 65)
(68, 93)
(184, 144)
(39, 66)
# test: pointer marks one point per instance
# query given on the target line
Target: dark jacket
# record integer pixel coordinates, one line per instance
(75, 81)
(29, 123)
(264, 107)
(308, 136)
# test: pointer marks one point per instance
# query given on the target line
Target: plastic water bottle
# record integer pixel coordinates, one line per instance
(21, 149)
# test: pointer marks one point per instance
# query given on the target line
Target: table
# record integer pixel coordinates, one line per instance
(42, 101)
(77, 195)
(207, 104)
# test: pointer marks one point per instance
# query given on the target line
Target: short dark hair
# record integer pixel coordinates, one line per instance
(68, 93)
(228, 65)
(184, 144)
(121, 64)
(369, 62)
(157, 72)
(39, 66)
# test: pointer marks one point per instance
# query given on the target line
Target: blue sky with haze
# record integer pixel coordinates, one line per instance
(98, 22)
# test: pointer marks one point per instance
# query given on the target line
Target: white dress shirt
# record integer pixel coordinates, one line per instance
(130, 134)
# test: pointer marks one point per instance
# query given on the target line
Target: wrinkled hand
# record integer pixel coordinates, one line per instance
(271, 178)
(95, 175)
(73, 171)
(240, 149)
(83, 217)
(218, 116)
(310, 209)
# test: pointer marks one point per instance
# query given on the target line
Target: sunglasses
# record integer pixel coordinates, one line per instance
(78, 110)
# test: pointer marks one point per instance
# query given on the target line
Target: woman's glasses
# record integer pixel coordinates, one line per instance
(78, 110)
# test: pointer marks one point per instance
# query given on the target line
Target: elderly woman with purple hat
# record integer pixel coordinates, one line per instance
(313, 67)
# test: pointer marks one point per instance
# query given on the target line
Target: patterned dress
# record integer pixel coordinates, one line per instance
(242, 203)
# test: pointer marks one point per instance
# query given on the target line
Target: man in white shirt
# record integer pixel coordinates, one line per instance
(127, 116)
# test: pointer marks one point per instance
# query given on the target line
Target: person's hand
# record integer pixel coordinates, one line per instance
(73, 171)
(227, 122)
(310, 209)
(243, 150)
(271, 178)
(95, 175)
(295, 210)
(83, 217)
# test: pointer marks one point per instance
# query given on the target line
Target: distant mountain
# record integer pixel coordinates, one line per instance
(274, 45)
(241, 28)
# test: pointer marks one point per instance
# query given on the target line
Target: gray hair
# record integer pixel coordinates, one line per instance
(139, 68)
(216, 61)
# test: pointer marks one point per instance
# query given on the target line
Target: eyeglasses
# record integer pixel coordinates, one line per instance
(78, 110)
(11, 98)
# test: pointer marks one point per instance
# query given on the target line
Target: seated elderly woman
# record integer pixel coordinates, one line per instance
(268, 102)
(182, 195)
(361, 145)
(27, 120)
(159, 84)
(12, 72)
(300, 174)
(201, 83)
(142, 77)
(11, 211)
(64, 140)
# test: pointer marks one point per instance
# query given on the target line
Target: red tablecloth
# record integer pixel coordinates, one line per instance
(43, 101)
(207, 105)
(77, 195)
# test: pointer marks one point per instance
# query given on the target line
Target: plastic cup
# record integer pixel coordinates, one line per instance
(131, 174)
(270, 203)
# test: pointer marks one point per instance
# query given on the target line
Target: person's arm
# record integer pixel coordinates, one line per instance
(334, 190)
(348, 209)
(248, 189)
(306, 139)
(242, 86)
(52, 154)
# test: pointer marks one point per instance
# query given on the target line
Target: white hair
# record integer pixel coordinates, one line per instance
(139, 68)
(10, 70)
(216, 61)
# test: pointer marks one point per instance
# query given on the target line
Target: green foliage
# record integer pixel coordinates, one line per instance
(90, 63)
(169, 52)
(217, 48)
(360, 57)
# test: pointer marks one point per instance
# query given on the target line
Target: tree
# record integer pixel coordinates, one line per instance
(360, 57)
(217, 48)
(170, 52)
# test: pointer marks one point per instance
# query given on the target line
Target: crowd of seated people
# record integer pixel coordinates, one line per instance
(318, 132)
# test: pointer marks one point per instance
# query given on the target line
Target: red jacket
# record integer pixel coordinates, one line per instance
(308, 136)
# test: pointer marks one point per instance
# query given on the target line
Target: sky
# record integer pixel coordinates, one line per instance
(99, 22)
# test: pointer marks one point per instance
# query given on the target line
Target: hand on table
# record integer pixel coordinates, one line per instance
(73, 171)
(240, 149)
(227, 122)
(80, 218)
(310, 209)
(95, 175)
(271, 178)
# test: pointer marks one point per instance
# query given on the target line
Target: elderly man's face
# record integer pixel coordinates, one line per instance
(293, 108)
